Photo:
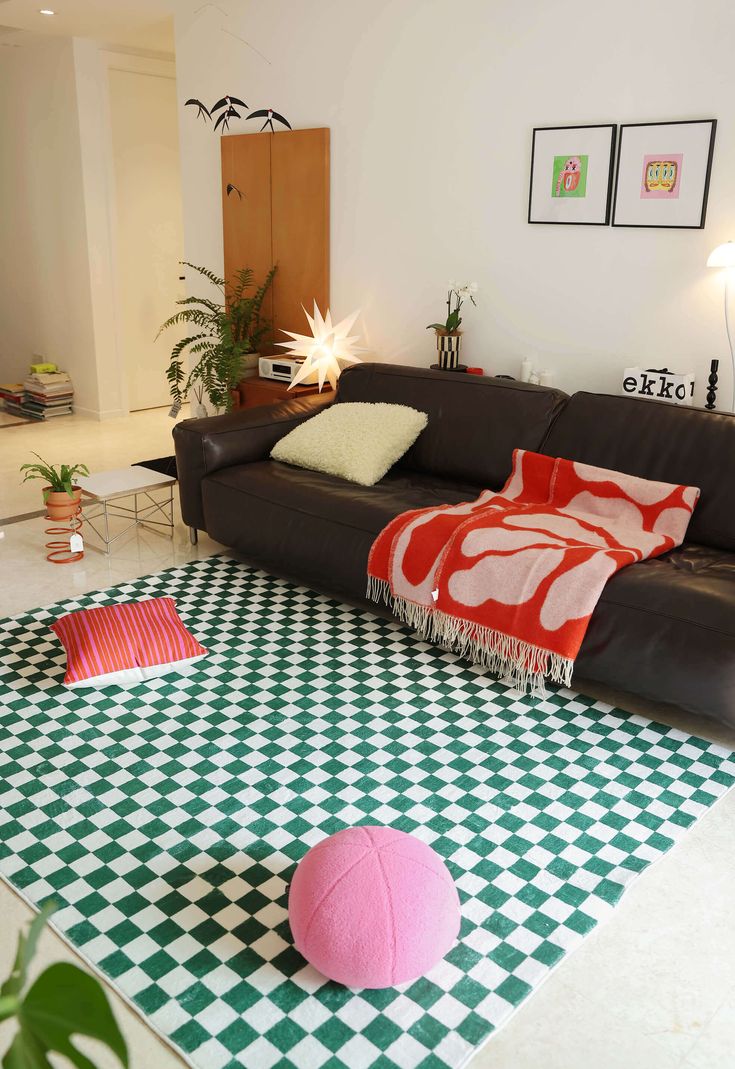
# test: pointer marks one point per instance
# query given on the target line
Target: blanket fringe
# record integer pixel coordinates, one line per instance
(521, 665)
(379, 590)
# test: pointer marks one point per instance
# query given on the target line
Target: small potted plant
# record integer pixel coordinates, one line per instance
(61, 496)
(448, 334)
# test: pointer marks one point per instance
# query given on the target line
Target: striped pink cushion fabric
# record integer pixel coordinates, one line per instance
(125, 639)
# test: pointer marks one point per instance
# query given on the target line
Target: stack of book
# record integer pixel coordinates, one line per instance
(48, 394)
(12, 395)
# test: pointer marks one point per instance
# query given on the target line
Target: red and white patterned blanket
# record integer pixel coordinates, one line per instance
(510, 580)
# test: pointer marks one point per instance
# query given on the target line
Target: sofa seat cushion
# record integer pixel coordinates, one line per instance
(475, 422)
(660, 441)
(326, 497)
(665, 629)
(694, 584)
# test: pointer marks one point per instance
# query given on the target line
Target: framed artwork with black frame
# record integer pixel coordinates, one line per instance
(571, 174)
(663, 174)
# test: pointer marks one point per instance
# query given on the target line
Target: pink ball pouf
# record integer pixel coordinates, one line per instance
(373, 907)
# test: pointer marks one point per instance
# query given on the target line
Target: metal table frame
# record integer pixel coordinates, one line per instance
(140, 515)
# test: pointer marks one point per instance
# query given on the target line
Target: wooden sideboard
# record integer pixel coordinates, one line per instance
(258, 391)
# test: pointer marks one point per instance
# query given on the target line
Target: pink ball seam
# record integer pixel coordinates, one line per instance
(328, 892)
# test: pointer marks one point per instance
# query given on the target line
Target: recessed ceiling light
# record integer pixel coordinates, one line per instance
(46, 11)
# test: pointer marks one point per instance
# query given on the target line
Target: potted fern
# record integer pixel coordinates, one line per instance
(61, 496)
(226, 332)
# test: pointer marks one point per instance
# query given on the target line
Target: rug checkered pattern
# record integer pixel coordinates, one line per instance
(167, 819)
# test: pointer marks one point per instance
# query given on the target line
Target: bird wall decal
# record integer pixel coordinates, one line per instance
(203, 111)
(226, 109)
(269, 115)
(228, 101)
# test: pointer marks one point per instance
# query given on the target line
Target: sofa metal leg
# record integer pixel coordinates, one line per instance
(193, 535)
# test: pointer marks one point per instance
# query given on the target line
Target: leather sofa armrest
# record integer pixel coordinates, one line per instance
(206, 445)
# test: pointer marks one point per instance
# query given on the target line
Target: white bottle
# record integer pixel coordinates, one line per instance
(526, 369)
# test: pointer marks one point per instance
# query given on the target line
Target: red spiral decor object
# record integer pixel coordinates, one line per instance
(61, 552)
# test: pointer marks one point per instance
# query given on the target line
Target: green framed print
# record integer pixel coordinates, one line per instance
(571, 174)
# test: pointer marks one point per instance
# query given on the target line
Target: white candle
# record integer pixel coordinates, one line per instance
(546, 377)
(526, 368)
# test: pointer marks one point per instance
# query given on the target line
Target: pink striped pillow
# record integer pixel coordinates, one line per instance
(124, 643)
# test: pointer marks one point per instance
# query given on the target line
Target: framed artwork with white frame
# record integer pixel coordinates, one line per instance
(571, 174)
(663, 174)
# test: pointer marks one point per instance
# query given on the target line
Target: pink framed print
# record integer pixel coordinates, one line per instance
(663, 174)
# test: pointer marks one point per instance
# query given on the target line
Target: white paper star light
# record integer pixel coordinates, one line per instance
(323, 348)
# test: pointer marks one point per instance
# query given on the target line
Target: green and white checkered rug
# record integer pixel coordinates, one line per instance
(167, 819)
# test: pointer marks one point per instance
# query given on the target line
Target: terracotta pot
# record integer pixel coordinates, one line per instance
(59, 506)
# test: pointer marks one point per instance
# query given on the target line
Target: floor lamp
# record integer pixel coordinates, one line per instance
(724, 256)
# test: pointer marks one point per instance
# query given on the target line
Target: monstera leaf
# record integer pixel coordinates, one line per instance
(63, 1002)
(23, 955)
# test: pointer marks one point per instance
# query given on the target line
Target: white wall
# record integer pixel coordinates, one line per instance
(58, 298)
(431, 105)
(149, 230)
(45, 298)
(98, 186)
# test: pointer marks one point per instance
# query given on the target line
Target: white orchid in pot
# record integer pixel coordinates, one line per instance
(448, 334)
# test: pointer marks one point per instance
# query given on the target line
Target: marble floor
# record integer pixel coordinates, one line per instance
(8, 419)
(77, 440)
(653, 988)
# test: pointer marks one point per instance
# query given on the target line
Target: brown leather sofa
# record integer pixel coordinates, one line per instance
(663, 629)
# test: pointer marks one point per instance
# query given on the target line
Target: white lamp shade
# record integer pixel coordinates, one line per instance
(722, 256)
(322, 350)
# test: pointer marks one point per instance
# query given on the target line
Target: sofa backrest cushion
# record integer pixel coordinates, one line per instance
(656, 440)
(475, 422)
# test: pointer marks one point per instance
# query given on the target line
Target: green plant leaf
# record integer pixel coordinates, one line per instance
(26, 949)
(226, 332)
(44, 471)
(210, 306)
(25, 1053)
(64, 1001)
(214, 279)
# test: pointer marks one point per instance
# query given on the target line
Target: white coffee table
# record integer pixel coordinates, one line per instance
(106, 489)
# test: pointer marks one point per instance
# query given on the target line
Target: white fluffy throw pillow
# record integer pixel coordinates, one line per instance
(359, 442)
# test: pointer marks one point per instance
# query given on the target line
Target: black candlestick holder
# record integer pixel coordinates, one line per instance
(712, 384)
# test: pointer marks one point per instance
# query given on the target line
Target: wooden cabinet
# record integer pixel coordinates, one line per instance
(256, 392)
(281, 217)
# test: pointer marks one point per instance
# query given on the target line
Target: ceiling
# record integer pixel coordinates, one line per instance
(138, 24)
